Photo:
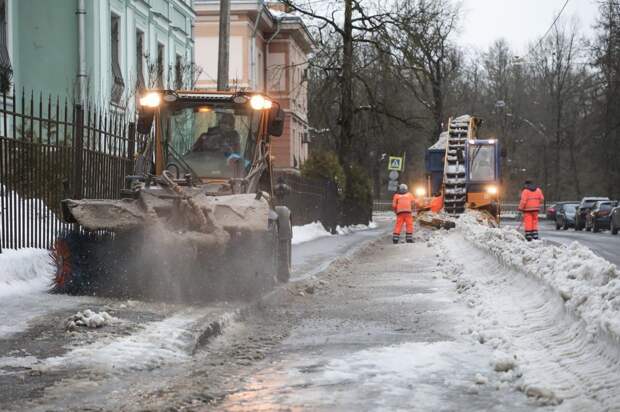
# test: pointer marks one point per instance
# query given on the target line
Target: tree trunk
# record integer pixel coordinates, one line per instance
(346, 105)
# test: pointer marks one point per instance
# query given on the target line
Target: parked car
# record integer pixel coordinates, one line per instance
(551, 211)
(565, 215)
(586, 205)
(599, 216)
(614, 224)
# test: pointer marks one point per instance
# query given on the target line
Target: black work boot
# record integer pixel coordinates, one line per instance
(395, 239)
(409, 238)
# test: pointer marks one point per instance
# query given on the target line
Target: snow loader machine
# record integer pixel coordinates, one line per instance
(198, 217)
(466, 169)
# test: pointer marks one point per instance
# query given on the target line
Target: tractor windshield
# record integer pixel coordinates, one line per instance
(216, 142)
(481, 162)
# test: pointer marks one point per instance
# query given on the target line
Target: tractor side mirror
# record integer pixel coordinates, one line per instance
(276, 121)
(145, 120)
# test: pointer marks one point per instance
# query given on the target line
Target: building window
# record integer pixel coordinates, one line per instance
(6, 71)
(118, 85)
(140, 84)
(160, 65)
(178, 72)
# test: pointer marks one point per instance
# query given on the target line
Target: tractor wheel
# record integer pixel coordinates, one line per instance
(284, 260)
(283, 249)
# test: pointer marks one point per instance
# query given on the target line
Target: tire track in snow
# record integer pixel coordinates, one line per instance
(520, 315)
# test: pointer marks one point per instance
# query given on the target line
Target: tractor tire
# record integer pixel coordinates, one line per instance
(284, 246)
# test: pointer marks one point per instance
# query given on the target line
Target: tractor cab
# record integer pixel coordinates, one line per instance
(213, 137)
(482, 174)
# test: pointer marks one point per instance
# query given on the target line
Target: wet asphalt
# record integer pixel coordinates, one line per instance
(603, 243)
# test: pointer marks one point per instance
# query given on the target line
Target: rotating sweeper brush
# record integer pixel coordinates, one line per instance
(198, 219)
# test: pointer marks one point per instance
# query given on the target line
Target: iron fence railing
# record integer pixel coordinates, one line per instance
(50, 150)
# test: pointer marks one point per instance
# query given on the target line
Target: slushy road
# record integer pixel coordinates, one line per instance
(603, 243)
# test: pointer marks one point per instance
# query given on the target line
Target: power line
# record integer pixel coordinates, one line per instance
(552, 24)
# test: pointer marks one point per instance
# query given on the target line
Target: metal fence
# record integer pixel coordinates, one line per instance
(311, 200)
(50, 150)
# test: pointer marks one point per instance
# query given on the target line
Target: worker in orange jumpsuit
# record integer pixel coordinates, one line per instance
(437, 203)
(403, 204)
(531, 200)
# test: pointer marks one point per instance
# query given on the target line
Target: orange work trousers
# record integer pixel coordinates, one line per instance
(530, 224)
(404, 218)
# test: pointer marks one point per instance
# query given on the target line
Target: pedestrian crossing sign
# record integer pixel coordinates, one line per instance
(395, 163)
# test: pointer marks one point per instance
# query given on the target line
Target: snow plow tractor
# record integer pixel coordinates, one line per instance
(465, 169)
(197, 219)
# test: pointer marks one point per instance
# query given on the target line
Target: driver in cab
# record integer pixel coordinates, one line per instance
(222, 138)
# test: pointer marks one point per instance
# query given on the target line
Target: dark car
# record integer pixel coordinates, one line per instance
(551, 211)
(565, 215)
(599, 216)
(614, 224)
(586, 205)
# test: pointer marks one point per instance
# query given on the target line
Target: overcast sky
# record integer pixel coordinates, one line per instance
(519, 21)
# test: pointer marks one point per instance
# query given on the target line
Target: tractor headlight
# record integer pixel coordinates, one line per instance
(258, 102)
(492, 190)
(420, 192)
(152, 99)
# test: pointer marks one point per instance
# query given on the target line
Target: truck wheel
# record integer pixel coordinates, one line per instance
(284, 260)
(285, 235)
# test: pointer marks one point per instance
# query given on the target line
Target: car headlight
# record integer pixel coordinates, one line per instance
(152, 99)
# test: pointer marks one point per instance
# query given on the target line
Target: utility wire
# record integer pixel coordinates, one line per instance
(552, 24)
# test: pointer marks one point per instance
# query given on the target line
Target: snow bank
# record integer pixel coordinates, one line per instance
(35, 214)
(316, 230)
(309, 232)
(345, 230)
(25, 271)
(588, 284)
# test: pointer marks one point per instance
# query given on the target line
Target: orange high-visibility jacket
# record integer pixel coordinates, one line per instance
(437, 204)
(531, 200)
(403, 203)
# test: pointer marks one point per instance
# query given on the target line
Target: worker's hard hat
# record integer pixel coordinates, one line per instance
(403, 188)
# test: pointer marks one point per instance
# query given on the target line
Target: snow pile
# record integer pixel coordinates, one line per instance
(346, 230)
(25, 271)
(588, 284)
(34, 212)
(441, 143)
(157, 343)
(316, 230)
(89, 319)
(309, 232)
